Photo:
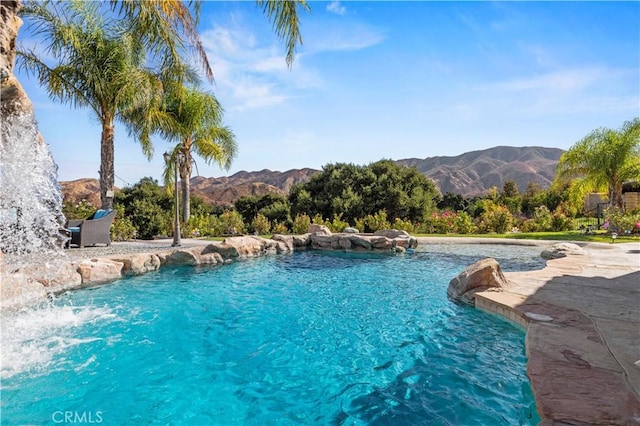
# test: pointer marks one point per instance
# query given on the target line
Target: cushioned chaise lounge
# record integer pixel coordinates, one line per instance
(93, 230)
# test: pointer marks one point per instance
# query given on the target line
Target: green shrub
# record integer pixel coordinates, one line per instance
(619, 222)
(560, 222)
(496, 218)
(122, 229)
(261, 224)
(403, 225)
(360, 224)
(337, 224)
(463, 223)
(301, 224)
(318, 220)
(376, 222)
(542, 220)
(229, 222)
(280, 228)
(82, 210)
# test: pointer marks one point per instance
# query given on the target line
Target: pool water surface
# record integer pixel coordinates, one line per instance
(308, 338)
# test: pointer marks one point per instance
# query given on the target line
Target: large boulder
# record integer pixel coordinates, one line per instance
(319, 229)
(287, 240)
(18, 290)
(138, 264)
(560, 250)
(483, 275)
(57, 277)
(246, 246)
(98, 271)
(392, 233)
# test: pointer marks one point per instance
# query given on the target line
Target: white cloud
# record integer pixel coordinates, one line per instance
(337, 8)
(558, 93)
(335, 38)
(557, 81)
(252, 74)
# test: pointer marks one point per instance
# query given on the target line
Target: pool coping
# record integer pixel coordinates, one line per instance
(581, 315)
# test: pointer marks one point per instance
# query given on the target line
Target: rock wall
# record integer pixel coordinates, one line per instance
(12, 97)
(31, 284)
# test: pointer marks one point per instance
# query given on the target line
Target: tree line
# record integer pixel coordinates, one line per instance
(380, 195)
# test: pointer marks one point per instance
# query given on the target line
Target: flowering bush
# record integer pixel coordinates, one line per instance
(620, 222)
(439, 223)
(448, 222)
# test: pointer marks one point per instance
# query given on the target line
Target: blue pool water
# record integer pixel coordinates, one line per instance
(309, 338)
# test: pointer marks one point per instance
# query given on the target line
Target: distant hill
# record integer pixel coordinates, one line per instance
(473, 173)
(469, 174)
(87, 189)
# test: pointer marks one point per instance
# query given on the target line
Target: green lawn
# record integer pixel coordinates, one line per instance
(599, 237)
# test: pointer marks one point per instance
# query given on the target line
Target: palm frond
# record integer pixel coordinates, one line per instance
(286, 23)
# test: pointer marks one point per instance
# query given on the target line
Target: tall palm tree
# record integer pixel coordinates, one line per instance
(194, 119)
(603, 160)
(99, 65)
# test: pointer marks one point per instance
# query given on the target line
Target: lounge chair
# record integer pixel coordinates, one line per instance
(93, 230)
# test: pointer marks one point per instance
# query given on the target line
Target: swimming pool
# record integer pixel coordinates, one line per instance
(308, 338)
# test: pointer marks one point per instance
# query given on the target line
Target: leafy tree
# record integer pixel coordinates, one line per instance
(194, 119)
(533, 197)
(510, 189)
(148, 207)
(603, 160)
(510, 196)
(357, 191)
(453, 202)
(277, 212)
(249, 207)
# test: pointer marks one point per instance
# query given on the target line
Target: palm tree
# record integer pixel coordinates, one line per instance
(603, 160)
(99, 65)
(194, 119)
(101, 61)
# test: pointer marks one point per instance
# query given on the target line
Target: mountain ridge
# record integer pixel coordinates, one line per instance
(469, 174)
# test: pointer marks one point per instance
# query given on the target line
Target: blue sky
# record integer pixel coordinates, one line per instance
(392, 80)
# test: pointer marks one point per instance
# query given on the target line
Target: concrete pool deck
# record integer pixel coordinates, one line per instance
(582, 317)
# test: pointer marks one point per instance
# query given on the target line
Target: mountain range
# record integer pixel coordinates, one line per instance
(468, 174)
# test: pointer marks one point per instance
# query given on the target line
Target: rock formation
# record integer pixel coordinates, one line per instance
(560, 250)
(483, 275)
(12, 97)
(34, 282)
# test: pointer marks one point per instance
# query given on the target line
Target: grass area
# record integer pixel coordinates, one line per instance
(600, 237)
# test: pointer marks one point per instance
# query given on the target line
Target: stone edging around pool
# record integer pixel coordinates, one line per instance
(580, 371)
(35, 283)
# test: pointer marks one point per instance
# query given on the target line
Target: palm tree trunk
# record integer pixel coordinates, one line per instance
(185, 184)
(107, 172)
